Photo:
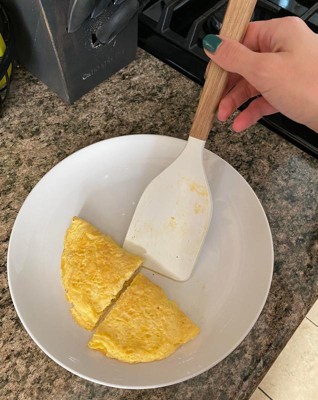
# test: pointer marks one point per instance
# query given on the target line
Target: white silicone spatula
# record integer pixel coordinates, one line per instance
(173, 215)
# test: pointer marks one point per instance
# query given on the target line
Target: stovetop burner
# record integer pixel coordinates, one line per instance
(172, 31)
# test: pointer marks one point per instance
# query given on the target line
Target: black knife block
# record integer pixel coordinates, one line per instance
(70, 64)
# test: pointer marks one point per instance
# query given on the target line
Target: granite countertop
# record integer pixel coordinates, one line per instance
(38, 130)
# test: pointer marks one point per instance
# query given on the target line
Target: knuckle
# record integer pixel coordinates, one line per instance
(257, 108)
(253, 27)
(249, 91)
(231, 102)
(294, 22)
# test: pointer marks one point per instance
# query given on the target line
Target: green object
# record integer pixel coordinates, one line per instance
(211, 43)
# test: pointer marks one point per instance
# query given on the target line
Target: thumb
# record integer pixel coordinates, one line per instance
(233, 56)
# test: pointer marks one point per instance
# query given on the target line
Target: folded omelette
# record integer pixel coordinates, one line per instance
(143, 325)
(94, 270)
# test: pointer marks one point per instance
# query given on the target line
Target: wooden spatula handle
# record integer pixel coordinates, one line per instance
(236, 20)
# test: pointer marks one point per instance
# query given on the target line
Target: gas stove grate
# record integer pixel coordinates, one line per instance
(172, 31)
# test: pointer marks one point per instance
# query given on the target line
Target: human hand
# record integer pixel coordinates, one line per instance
(277, 62)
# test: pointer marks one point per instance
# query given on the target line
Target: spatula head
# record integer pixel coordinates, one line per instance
(173, 216)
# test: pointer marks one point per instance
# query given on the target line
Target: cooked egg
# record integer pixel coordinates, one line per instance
(143, 325)
(94, 270)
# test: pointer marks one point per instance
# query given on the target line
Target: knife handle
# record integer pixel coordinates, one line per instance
(118, 21)
(237, 17)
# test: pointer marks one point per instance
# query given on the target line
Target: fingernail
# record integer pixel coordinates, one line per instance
(211, 43)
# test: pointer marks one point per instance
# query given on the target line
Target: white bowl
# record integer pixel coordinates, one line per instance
(102, 184)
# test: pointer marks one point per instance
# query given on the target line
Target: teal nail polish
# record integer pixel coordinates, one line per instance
(211, 43)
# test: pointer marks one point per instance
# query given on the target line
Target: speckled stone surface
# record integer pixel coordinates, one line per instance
(39, 130)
